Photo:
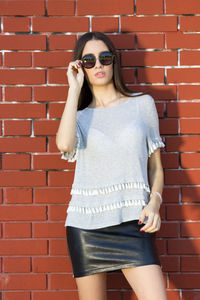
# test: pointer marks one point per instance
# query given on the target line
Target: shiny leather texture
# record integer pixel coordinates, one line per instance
(110, 248)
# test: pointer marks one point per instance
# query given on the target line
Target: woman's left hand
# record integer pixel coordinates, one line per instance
(152, 212)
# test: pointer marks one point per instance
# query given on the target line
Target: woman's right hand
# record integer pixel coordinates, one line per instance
(75, 74)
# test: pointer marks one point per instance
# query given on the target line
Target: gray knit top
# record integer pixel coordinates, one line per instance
(113, 145)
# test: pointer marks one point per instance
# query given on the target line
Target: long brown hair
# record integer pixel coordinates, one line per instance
(85, 97)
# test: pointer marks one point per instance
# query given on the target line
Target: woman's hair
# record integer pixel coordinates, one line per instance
(85, 97)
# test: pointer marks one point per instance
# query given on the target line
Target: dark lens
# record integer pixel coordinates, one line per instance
(88, 61)
(106, 58)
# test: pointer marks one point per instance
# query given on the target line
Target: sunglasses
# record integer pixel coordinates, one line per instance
(89, 60)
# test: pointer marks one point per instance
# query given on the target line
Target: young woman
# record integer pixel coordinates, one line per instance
(113, 135)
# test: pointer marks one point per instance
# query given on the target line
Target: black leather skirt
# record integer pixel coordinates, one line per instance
(110, 248)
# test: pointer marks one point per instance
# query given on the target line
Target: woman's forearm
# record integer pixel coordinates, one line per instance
(66, 134)
(156, 181)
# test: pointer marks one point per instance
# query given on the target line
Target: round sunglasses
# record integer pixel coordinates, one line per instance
(89, 60)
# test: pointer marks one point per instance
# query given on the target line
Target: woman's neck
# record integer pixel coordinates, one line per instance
(103, 95)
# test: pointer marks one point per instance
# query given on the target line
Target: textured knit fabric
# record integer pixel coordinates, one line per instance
(113, 145)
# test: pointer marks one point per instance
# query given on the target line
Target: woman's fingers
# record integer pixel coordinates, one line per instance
(153, 224)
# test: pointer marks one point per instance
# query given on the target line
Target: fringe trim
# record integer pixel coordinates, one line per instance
(154, 145)
(71, 156)
(110, 189)
(107, 207)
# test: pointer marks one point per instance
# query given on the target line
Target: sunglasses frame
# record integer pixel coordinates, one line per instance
(95, 59)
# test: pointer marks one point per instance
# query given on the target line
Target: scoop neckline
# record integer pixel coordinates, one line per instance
(106, 108)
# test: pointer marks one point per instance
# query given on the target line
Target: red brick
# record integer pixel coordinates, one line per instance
(52, 295)
(183, 212)
(21, 282)
(15, 24)
(46, 127)
(188, 92)
(57, 213)
(50, 93)
(51, 59)
(189, 126)
(23, 247)
(182, 176)
(145, 58)
(190, 194)
(58, 247)
(128, 295)
(23, 42)
(56, 76)
(17, 230)
(51, 195)
(168, 229)
(49, 230)
(17, 265)
(23, 144)
(171, 195)
(170, 160)
(16, 161)
(1, 195)
(150, 75)
(60, 8)
(177, 40)
(17, 93)
(62, 42)
(103, 7)
(57, 24)
(22, 213)
(182, 7)
(51, 265)
(149, 23)
(123, 41)
(161, 246)
(59, 281)
(17, 195)
(190, 264)
(22, 127)
(16, 295)
(170, 263)
(128, 75)
(189, 58)
(190, 23)
(60, 178)
(173, 295)
(190, 295)
(22, 178)
(183, 246)
(22, 111)
(13, 8)
(17, 59)
(144, 7)
(105, 24)
(32, 76)
(56, 110)
(184, 281)
(150, 40)
(187, 109)
(48, 161)
(191, 229)
(183, 144)
(52, 146)
(190, 160)
(183, 75)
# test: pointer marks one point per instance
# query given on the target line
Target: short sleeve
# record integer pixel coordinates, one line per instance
(154, 140)
(72, 155)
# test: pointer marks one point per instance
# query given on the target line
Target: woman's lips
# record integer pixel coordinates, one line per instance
(100, 74)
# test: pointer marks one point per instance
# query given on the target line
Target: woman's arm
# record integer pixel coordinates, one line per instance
(66, 135)
(156, 180)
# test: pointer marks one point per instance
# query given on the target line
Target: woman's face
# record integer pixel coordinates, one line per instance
(98, 75)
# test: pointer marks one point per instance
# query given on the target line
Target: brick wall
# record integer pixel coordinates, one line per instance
(159, 51)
